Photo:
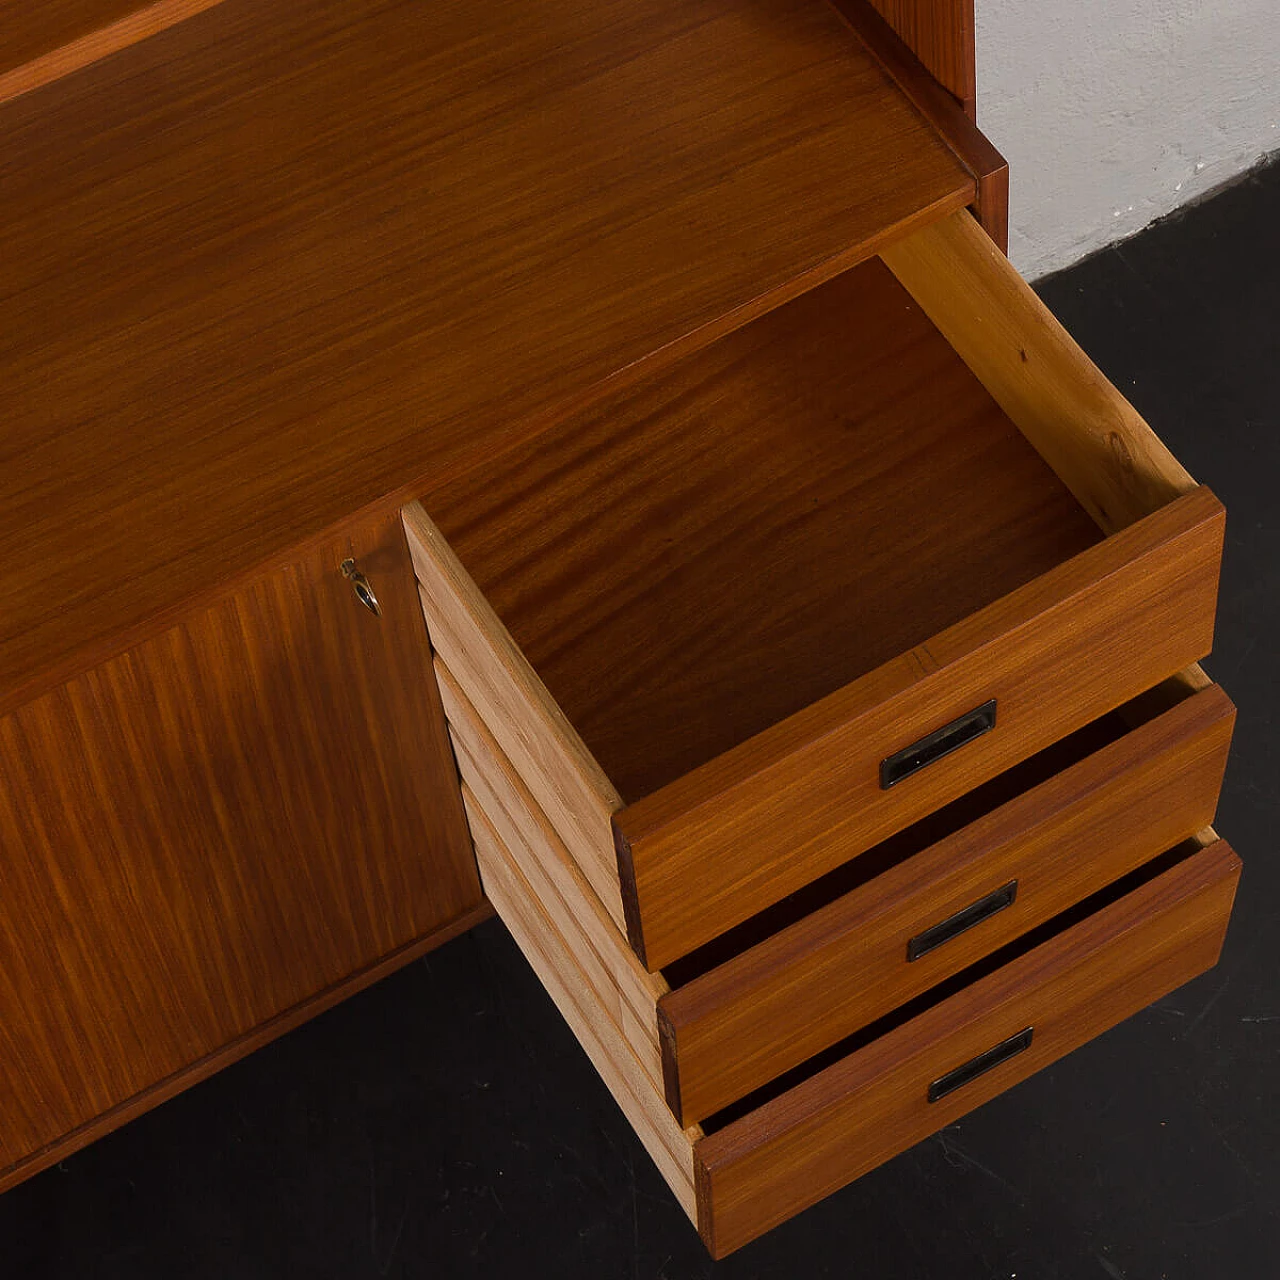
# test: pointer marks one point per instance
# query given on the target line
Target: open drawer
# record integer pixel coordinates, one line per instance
(896, 921)
(874, 1093)
(749, 619)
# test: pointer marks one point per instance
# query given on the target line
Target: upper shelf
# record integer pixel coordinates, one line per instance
(280, 262)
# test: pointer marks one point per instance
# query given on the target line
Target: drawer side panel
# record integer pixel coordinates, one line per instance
(534, 735)
(738, 834)
(551, 959)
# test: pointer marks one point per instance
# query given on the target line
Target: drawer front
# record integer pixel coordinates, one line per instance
(871, 950)
(736, 835)
(837, 1125)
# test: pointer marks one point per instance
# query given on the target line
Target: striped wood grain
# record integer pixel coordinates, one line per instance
(844, 965)
(744, 830)
(43, 40)
(214, 828)
(552, 959)
(627, 992)
(839, 1124)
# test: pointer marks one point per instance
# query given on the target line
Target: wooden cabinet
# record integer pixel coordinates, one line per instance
(216, 833)
(827, 717)
(810, 628)
(893, 1079)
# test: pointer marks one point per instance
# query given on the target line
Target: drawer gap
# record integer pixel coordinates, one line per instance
(944, 990)
(936, 827)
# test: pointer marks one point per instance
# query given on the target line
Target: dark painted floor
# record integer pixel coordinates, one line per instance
(446, 1124)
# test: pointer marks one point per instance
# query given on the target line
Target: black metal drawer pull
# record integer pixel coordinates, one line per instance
(983, 1063)
(933, 746)
(953, 926)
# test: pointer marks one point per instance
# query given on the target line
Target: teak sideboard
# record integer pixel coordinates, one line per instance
(593, 462)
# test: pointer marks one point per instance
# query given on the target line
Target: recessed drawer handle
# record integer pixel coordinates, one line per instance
(983, 1063)
(941, 742)
(953, 926)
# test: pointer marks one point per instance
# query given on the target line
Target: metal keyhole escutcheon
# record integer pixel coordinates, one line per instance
(360, 585)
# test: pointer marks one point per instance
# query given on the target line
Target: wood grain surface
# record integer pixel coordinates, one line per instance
(941, 34)
(213, 828)
(842, 1122)
(731, 541)
(953, 118)
(842, 967)
(580, 1004)
(43, 40)
(626, 993)
(1117, 467)
(231, 1052)
(531, 730)
(281, 262)
(726, 840)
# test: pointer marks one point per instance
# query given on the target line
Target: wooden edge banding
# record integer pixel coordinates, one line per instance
(704, 1198)
(165, 1089)
(670, 1063)
(91, 48)
(992, 205)
(1110, 459)
(565, 893)
(630, 895)
(435, 561)
(551, 959)
(943, 111)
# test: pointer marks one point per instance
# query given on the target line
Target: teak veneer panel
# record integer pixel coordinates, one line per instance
(215, 827)
(837, 1125)
(843, 966)
(43, 40)
(730, 541)
(233, 1050)
(941, 34)
(952, 116)
(281, 262)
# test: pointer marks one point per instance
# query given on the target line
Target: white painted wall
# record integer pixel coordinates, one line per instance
(1112, 113)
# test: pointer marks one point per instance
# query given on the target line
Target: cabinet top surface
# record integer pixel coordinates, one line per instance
(281, 262)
